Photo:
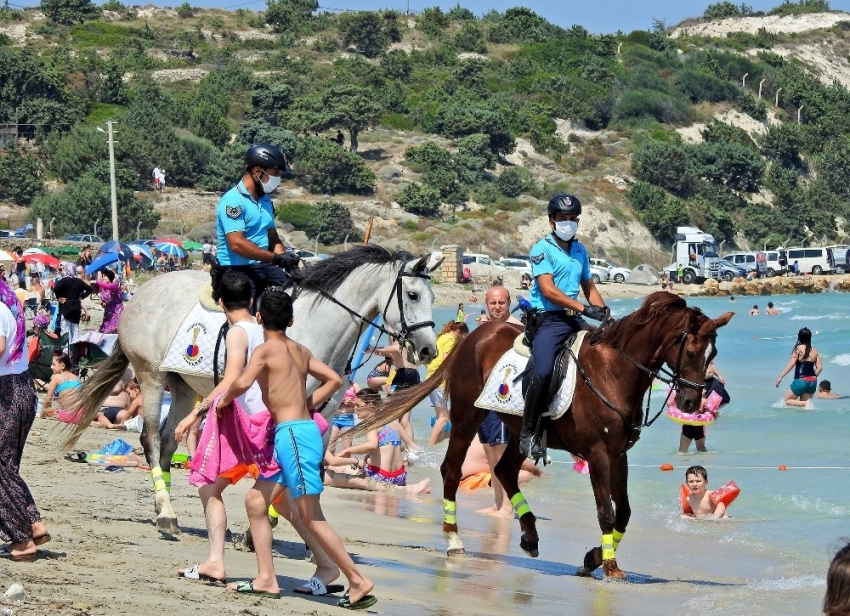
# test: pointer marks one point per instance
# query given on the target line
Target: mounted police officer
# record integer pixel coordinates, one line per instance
(561, 268)
(247, 239)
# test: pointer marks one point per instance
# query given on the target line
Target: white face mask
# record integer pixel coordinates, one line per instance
(274, 182)
(566, 229)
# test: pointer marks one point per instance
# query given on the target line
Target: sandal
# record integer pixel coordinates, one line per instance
(246, 587)
(366, 601)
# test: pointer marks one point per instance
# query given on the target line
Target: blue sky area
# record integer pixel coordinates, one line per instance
(598, 16)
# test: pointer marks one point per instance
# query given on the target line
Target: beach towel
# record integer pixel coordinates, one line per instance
(231, 440)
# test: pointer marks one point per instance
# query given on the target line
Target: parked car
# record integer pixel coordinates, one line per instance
(728, 270)
(523, 266)
(308, 256)
(599, 274)
(7, 233)
(814, 259)
(81, 237)
(617, 273)
(482, 259)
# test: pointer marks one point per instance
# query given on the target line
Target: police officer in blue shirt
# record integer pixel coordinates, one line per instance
(561, 269)
(245, 223)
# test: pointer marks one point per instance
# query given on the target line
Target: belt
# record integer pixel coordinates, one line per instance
(559, 314)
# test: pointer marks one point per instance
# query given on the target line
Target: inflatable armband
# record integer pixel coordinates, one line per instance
(713, 402)
(725, 494)
(581, 467)
(683, 496)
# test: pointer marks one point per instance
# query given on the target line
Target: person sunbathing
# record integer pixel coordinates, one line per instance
(113, 417)
(65, 387)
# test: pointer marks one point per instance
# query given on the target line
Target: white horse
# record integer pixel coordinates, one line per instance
(334, 299)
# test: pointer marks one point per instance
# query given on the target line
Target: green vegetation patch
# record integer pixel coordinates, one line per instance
(100, 34)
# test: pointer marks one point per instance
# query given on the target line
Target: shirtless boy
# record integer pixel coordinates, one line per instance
(280, 366)
(700, 498)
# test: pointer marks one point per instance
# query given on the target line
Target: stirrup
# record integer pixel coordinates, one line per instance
(538, 450)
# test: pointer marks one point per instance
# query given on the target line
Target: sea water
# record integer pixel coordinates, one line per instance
(785, 525)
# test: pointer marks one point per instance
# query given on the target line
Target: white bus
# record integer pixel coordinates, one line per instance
(811, 260)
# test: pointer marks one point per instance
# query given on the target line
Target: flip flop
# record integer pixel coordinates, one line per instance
(76, 456)
(192, 573)
(246, 587)
(365, 602)
(314, 586)
(18, 558)
(42, 539)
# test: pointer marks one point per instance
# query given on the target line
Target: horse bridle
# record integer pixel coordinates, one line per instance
(406, 330)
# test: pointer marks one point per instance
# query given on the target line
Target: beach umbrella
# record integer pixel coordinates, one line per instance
(67, 250)
(171, 250)
(169, 240)
(101, 262)
(142, 249)
(190, 245)
(49, 261)
(5, 256)
(123, 250)
(34, 251)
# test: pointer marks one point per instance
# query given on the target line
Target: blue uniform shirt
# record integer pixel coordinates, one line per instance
(237, 211)
(569, 270)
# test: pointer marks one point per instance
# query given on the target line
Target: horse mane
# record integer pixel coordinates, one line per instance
(658, 305)
(328, 274)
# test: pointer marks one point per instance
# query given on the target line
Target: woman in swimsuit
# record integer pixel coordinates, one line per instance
(65, 386)
(805, 360)
(378, 377)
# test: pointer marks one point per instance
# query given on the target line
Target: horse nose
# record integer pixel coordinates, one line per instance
(427, 353)
(689, 406)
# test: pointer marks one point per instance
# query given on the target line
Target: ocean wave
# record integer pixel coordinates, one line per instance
(811, 505)
(832, 316)
(841, 360)
(786, 583)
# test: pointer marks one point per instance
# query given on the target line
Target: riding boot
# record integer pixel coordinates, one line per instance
(530, 443)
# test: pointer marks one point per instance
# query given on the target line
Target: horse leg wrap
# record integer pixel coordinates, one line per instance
(449, 511)
(608, 547)
(617, 537)
(520, 505)
(273, 512)
(158, 479)
(166, 477)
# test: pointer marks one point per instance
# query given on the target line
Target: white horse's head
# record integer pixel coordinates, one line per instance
(409, 311)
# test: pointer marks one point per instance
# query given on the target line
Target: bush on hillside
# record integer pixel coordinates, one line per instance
(299, 215)
(722, 10)
(321, 166)
(20, 177)
(800, 7)
(514, 181)
(420, 200)
(68, 12)
(368, 32)
(668, 165)
(635, 105)
(700, 86)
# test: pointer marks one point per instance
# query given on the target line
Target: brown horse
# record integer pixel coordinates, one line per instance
(617, 365)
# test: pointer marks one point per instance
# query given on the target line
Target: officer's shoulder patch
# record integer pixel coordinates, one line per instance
(538, 259)
(233, 211)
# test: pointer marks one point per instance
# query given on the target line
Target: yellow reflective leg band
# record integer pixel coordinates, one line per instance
(617, 537)
(166, 477)
(520, 505)
(158, 481)
(449, 512)
(273, 512)
(608, 547)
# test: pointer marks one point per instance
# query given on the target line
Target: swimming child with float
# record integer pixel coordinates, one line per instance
(700, 502)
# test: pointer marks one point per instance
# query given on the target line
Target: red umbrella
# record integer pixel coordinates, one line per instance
(49, 261)
(170, 240)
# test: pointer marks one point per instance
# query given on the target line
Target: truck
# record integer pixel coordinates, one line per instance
(695, 253)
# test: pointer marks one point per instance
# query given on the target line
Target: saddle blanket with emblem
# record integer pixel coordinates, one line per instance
(503, 390)
(193, 345)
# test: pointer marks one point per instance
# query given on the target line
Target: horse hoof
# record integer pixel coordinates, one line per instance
(248, 541)
(592, 562)
(529, 547)
(167, 526)
(612, 571)
(456, 552)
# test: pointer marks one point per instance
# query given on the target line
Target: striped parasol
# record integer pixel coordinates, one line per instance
(171, 250)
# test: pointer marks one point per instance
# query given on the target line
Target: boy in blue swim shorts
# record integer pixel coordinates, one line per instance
(281, 366)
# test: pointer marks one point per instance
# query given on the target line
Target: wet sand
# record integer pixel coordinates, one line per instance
(107, 558)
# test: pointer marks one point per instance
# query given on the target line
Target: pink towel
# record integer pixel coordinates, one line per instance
(232, 439)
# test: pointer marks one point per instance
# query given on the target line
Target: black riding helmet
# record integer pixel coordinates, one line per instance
(265, 156)
(564, 203)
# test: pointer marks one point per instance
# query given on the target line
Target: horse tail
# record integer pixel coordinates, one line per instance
(403, 401)
(95, 390)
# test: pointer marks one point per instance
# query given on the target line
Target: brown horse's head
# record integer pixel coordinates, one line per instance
(664, 330)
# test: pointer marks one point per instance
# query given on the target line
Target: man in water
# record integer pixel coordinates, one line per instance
(825, 391)
(771, 310)
(561, 267)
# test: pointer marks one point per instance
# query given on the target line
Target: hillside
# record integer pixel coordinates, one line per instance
(463, 126)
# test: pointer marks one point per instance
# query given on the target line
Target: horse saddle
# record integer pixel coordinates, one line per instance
(205, 297)
(504, 392)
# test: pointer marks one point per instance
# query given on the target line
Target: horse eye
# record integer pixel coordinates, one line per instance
(413, 296)
(691, 354)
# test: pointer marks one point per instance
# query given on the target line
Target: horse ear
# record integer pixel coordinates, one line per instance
(435, 259)
(723, 319)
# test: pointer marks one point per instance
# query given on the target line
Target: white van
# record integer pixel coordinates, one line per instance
(750, 261)
(776, 262)
(811, 260)
(481, 259)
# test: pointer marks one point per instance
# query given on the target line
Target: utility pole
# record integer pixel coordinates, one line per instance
(113, 193)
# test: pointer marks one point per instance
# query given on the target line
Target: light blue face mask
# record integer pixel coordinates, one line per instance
(566, 229)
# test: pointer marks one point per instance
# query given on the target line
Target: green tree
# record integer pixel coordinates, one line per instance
(349, 106)
(224, 169)
(397, 65)
(20, 177)
(323, 167)
(833, 167)
(420, 200)
(269, 99)
(112, 89)
(290, 16)
(471, 38)
(368, 32)
(783, 143)
(473, 158)
(729, 164)
(208, 121)
(514, 181)
(722, 10)
(70, 12)
(260, 131)
(331, 223)
(668, 165)
(433, 22)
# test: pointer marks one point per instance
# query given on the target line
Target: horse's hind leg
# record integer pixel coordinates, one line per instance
(507, 471)
(151, 383)
(465, 422)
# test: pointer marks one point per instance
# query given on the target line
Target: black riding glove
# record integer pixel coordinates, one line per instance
(286, 260)
(597, 313)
